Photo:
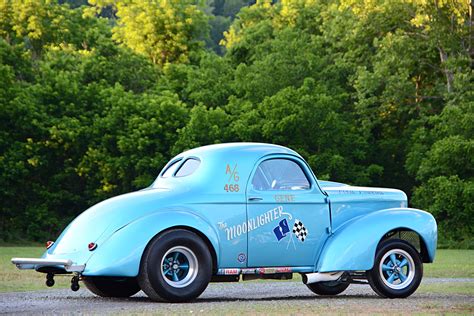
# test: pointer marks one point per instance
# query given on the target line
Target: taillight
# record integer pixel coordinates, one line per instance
(92, 246)
(49, 244)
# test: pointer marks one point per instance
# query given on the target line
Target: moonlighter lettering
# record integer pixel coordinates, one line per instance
(254, 223)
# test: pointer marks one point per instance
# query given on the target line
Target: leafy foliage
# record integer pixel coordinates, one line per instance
(164, 31)
(97, 95)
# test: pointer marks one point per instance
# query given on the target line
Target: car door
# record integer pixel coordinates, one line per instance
(287, 214)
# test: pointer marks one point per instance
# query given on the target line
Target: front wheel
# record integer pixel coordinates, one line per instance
(397, 270)
(176, 267)
(328, 288)
(112, 287)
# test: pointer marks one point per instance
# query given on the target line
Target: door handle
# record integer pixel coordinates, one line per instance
(255, 198)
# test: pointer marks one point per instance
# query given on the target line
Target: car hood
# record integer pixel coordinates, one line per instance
(339, 192)
(349, 202)
(100, 221)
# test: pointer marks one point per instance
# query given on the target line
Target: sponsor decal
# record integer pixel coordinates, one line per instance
(300, 230)
(253, 223)
(271, 270)
(284, 270)
(228, 271)
(263, 270)
(282, 229)
(280, 198)
(241, 257)
(360, 192)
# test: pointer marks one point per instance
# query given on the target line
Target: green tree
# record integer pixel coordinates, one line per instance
(441, 159)
(136, 136)
(38, 24)
(164, 31)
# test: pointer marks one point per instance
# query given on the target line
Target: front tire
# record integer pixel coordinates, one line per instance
(397, 270)
(176, 267)
(328, 288)
(112, 287)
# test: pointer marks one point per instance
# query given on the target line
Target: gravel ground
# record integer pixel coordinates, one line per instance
(236, 298)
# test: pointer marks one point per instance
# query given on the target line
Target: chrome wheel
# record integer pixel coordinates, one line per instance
(179, 267)
(397, 269)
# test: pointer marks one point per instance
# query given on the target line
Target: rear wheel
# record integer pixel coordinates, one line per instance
(176, 267)
(397, 270)
(112, 287)
(328, 288)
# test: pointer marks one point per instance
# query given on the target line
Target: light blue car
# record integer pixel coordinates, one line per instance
(227, 212)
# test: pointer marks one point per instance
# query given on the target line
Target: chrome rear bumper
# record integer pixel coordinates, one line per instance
(34, 263)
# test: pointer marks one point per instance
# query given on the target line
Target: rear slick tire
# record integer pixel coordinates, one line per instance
(176, 267)
(397, 270)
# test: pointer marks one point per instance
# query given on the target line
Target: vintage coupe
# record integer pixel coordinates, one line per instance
(221, 212)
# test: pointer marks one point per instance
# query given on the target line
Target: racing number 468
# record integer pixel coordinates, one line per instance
(231, 188)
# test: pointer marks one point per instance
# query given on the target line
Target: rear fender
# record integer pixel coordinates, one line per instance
(352, 247)
(121, 253)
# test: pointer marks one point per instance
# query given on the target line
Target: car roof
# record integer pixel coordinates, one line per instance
(250, 150)
(215, 161)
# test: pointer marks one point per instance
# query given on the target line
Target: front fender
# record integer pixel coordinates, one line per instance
(121, 253)
(353, 246)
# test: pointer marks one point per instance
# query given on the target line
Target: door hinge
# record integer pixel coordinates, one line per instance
(329, 230)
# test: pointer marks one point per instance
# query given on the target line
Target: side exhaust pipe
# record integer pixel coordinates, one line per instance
(309, 278)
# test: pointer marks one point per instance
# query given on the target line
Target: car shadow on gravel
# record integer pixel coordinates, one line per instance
(143, 299)
(285, 298)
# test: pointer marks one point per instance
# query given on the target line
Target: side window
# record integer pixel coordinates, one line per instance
(170, 170)
(279, 174)
(188, 167)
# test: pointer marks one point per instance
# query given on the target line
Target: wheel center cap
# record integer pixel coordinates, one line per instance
(175, 266)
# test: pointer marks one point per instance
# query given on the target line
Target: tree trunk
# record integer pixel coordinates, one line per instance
(449, 74)
(471, 33)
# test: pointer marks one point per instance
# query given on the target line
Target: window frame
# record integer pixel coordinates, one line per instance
(303, 167)
(172, 163)
(183, 163)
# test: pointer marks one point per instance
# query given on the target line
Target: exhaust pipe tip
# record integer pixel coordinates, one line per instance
(315, 277)
(304, 278)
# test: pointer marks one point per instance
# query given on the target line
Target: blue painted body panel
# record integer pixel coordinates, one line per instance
(342, 224)
(352, 247)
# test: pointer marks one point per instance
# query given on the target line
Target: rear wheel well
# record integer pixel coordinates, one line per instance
(201, 235)
(411, 237)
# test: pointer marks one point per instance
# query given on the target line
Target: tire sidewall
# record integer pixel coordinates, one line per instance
(375, 277)
(154, 256)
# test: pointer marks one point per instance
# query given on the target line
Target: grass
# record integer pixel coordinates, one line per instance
(451, 263)
(13, 279)
(462, 288)
(448, 264)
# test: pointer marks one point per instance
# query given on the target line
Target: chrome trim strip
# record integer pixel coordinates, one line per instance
(264, 270)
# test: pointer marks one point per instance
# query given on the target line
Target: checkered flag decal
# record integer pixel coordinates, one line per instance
(299, 230)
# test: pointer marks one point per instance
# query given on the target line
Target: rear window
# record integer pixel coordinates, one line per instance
(170, 170)
(188, 167)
